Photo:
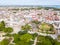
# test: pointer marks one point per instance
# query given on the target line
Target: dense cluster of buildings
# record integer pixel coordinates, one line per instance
(16, 17)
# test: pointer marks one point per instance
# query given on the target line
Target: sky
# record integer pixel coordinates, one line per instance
(29, 2)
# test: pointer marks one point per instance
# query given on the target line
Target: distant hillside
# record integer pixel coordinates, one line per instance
(40, 7)
(55, 7)
(52, 8)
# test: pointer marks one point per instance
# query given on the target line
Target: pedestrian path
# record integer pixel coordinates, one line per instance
(35, 41)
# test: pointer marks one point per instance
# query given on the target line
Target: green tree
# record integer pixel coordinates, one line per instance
(51, 39)
(26, 37)
(57, 43)
(43, 41)
(51, 27)
(26, 27)
(8, 30)
(22, 32)
(34, 35)
(4, 42)
(2, 25)
(36, 22)
(16, 38)
(22, 43)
